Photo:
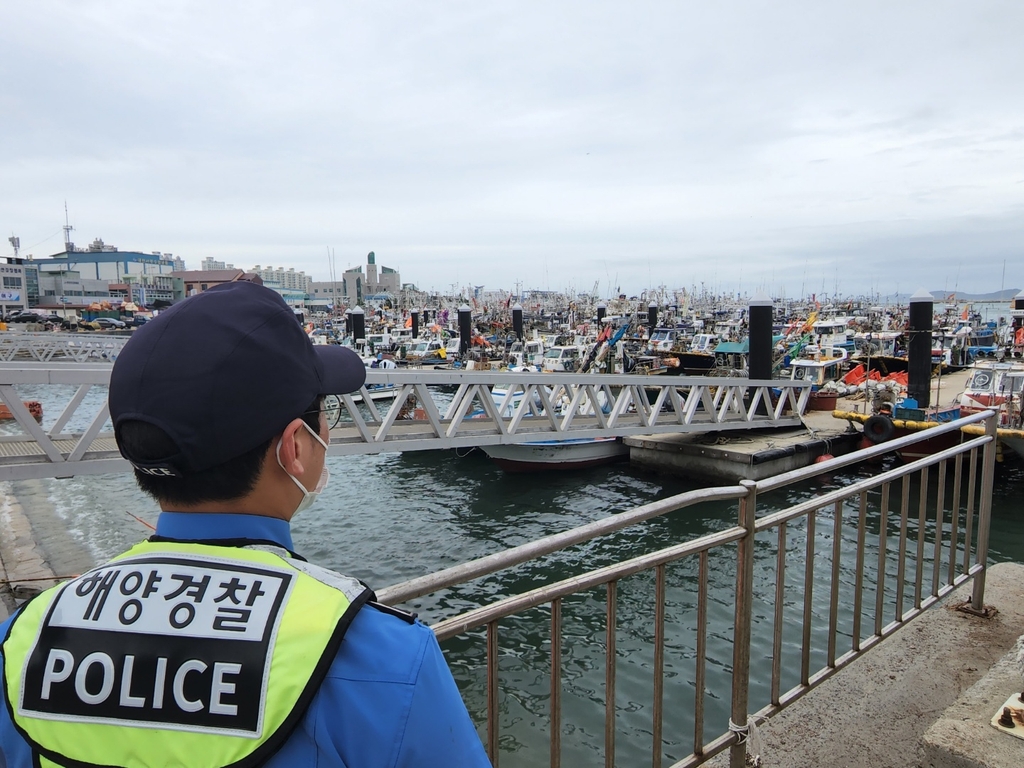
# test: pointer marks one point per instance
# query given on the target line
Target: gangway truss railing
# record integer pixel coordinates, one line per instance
(899, 541)
(59, 347)
(414, 410)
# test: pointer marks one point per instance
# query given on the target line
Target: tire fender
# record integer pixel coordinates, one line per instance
(879, 429)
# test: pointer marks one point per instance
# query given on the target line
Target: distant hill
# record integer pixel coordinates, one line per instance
(1004, 295)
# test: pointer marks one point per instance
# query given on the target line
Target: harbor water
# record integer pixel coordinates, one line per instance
(391, 517)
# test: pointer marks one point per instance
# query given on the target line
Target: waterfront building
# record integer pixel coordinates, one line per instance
(149, 290)
(70, 289)
(360, 287)
(13, 288)
(101, 261)
(281, 279)
(198, 280)
(208, 265)
(78, 277)
(324, 296)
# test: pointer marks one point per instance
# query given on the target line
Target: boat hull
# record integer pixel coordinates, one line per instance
(557, 454)
(1015, 444)
(927, 447)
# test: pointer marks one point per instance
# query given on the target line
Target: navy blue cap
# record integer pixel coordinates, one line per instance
(221, 373)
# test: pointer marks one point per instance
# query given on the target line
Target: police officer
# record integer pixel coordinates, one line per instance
(214, 643)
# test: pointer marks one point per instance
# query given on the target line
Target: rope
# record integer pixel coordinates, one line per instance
(749, 733)
(148, 525)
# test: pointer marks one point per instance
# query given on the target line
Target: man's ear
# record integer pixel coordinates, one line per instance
(292, 451)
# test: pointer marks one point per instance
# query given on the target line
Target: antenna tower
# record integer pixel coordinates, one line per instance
(68, 245)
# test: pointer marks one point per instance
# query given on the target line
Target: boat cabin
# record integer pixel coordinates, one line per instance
(562, 359)
(832, 333)
(527, 353)
(992, 385)
(663, 339)
(826, 365)
(424, 349)
(704, 342)
(879, 344)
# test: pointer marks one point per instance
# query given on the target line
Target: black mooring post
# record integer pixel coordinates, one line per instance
(415, 324)
(919, 354)
(517, 321)
(465, 329)
(358, 323)
(759, 365)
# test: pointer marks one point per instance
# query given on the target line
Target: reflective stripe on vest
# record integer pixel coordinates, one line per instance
(176, 654)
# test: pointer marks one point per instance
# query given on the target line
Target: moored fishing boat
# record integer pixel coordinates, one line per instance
(902, 419)
(999, 386)
(575, 453)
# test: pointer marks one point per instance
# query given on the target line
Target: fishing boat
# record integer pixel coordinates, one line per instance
(823, 367)
(883, 351)
(992, 385)
(999, 386)
(548, 455)
(904, 418)
(527, 353)
(698, 360)
(561, 359)
(35, 408)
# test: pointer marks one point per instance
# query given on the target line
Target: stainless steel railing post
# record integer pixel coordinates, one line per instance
(988, 468)
(742, 623)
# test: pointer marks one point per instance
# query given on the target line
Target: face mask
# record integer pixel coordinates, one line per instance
(308, 497)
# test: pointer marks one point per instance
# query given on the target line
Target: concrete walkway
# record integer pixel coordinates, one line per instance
(875, 713)
(23, 567)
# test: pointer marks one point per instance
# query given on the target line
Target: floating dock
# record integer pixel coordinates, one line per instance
(754, 455)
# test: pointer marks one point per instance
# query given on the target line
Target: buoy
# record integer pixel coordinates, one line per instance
(823, 457)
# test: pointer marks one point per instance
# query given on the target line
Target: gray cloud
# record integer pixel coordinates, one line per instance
(741, 145)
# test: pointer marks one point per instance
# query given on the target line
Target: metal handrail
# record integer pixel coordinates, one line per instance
(499, 561)
(974, 506)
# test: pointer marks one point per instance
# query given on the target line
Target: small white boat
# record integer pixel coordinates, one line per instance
(557, 454)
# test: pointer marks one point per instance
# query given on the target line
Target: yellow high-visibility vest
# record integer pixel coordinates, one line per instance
(176, 654)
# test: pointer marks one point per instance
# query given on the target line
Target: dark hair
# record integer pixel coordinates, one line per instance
(233, 479)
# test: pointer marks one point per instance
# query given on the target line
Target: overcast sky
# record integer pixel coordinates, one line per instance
(791, 147)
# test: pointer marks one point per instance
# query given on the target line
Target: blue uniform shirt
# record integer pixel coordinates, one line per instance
(388, 701)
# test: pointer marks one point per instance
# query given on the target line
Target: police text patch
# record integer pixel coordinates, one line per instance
(163, 641)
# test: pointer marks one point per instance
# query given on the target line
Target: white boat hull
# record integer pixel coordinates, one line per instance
(1015, 444)
(557, 454)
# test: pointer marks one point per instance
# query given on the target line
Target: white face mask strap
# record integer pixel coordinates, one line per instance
(277, 452)
(314, 434)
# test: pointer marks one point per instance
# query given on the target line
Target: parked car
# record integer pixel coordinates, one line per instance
(108, 324)
(28, 317)
(138, 320)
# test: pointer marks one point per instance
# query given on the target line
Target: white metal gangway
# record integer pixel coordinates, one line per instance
(59, 347)
(429, 409)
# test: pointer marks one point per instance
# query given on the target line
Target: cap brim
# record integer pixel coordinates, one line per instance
(344, 371)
